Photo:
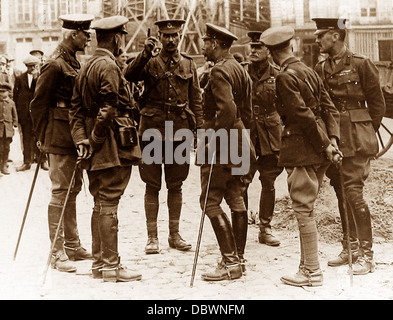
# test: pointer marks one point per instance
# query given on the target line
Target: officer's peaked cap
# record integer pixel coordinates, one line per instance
(112, 24)
(255, 37)
(219, 33)
(31, 60)
(277, 37)
(76, 21)
(326, 24)
(170, 26)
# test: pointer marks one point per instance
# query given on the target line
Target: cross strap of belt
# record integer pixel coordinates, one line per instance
(317, 96)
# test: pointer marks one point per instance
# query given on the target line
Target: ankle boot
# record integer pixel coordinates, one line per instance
(240, 228)
(304, 278)
(229, 267)
(365, 263)
(265, 236)
(343, 257)
(4, 165)
(175, 241)
(119, 274)
(152, 245)
(60, 261)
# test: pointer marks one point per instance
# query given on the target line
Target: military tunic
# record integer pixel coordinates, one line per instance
(227, 105)
(353, 84)
(100, 85)
(172, 91)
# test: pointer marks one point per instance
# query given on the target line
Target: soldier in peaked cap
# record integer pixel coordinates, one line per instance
(49, 113)
(353, 84)
(266, 129)
(308, 144)
(227, 106)
(99, 103)
(172, 97)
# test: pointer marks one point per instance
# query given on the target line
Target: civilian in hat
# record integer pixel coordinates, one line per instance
(353, 84)
(266, 129)
(227, 106)
(49, 112)
(8, 120)
(172, 96)
(38, 54)
(308, 144)
(4, 77)
(100, 100)
(23, 94)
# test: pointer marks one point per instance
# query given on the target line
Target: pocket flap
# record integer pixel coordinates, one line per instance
(61, 114)
(124, 121)
(184, 76)
(359, 115)
(291, 131)
(348, 78)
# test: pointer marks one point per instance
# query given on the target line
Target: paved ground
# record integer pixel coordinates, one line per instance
(166, 276)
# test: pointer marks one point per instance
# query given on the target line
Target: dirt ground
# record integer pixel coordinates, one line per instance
(167, 276)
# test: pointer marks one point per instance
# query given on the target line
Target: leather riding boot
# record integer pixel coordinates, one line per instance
(112, 271)
(175, 203)
(266, 209)
(59, 259)
(365, 263)
(151, 212)
(229, 267)
(97, 264)
(72, 244)
(240, 228)
(343, 257)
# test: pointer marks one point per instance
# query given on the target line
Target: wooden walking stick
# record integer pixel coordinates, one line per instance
(202, 222)
(346, 221)
(61, 219)
(28, 203)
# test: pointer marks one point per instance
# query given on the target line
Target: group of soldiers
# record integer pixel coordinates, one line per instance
(310, 122)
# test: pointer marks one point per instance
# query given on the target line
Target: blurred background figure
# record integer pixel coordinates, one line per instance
(40, 55)
(8, 120)
(122, 58)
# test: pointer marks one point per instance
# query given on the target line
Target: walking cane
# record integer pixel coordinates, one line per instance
(345, 208)
(202, 222)
(61, 218)
(28, 203)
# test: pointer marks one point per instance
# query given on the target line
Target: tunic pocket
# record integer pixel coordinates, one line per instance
(61, 135)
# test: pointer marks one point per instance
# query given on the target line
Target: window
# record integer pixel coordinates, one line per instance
(73, 6)
(363, 12)
(48, 11)
(385, 48)
(24, 11)
(373, 12)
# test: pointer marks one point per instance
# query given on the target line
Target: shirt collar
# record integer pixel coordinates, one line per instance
(165, 56)
(105, 52)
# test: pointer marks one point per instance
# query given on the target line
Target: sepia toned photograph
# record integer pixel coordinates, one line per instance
(196, 156)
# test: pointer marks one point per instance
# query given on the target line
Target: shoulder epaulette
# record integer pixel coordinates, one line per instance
(275, 66)
(186, 55)
(358, 55)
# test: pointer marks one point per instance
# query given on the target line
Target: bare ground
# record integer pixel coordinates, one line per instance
(167, 276)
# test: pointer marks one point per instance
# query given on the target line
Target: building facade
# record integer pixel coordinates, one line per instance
(34, 24)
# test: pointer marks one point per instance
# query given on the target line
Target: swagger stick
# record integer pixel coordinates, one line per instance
(202, 221)
(61, 218)
(345, 208)
(28, 203)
